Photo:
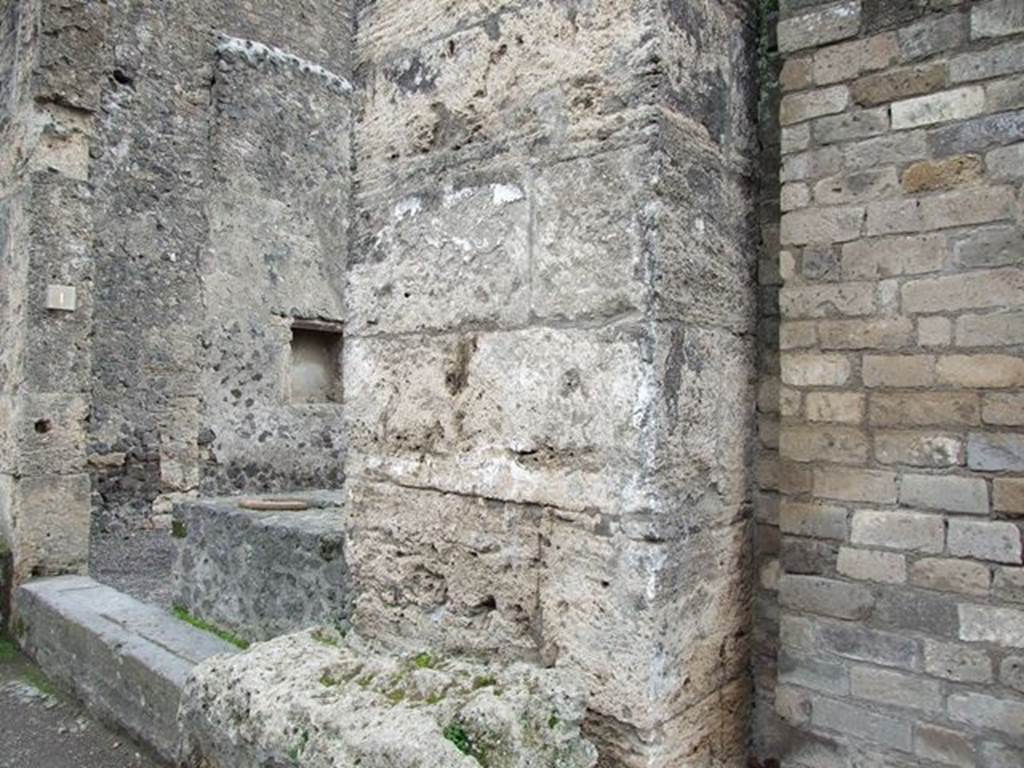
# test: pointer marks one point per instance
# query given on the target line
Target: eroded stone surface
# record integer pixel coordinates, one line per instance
(326, 700)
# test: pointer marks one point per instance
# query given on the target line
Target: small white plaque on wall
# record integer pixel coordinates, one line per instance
(61, 298)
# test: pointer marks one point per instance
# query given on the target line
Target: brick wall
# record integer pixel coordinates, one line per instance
(902, 383)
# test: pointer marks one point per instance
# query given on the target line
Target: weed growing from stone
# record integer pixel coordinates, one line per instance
(457, 735)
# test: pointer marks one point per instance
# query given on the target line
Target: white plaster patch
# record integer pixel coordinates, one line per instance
(256, 53)
(409, 206)
(507, 193)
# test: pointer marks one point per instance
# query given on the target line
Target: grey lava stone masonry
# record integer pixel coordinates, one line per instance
(261, 574)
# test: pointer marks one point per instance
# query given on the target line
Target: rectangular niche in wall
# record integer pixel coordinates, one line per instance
(314, 369)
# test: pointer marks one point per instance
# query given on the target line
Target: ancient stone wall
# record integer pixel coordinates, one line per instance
(549, 360)
(47, 99)
(186, 172)
(214, 116)
(902, 627)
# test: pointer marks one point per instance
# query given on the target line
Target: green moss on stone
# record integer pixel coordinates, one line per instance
(484, 681)
(457, 735)
(39, 681)
(324, 639)
(327, 681)
(8, 651)
(423, 661)
(182, 614)
(178, 529)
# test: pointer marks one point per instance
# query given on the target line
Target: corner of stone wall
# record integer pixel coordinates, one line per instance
(768, 731)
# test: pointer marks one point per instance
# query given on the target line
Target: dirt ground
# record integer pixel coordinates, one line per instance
(41, 727)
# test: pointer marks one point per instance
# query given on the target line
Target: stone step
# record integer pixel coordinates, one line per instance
(126, 660)
(262, 573)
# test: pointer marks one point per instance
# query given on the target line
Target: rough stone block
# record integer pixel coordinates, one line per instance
(862, 723)
(996, 288)
(1008, 495)
(809, 557)
(813, 164)
(1003, 409)
(822, 225)
(942, 107)
(848, 484)
(841, 407)
(981, 371)
(856, 187)
(951, 209)
(997, 542)
(844, 299)
(943, 745)
(996, 18)
(913, 531)
(815, 370)
(262, 574)
(977, 135)
(869, 565)
(587, 263)
(328, 700)
(128, 661)
(818, 675)
(826, 597)
(1011, 672)
(943, 174)
(845, 61)
(812, 519)
(1008, 585)
(932, 35)
(824, 442)
(873, 259)
(898, 84)
(901, 371)
(851, 641)
(949, 575)
(995, 452)
(50, 535)
(825, 25)
(981, 65)
(1006, 163)
(983, 711)
(996, 246)
(959, 663)
(995, 755)
(992, 330)
(925, 409)
(443, 572)
(918, 449)
(858, 124)
(885, 686)
(433, 411)
(806, 105)
(946, 493)
(934, 331)
(444, 258)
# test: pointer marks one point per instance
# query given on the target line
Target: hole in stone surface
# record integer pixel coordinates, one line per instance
(43, 426)
(314, 370)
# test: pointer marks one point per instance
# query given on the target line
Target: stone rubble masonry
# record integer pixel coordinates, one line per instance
(900, 405)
